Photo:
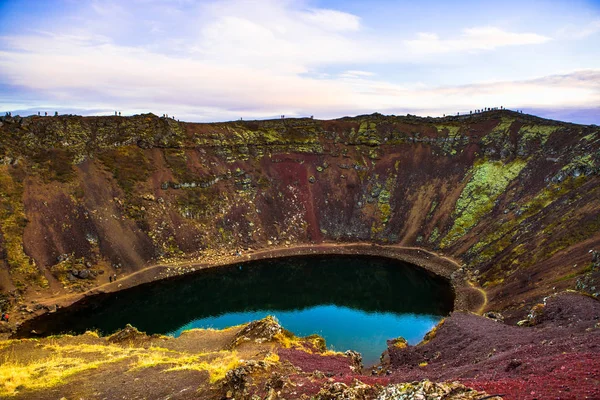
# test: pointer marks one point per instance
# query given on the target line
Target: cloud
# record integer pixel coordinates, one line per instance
(580, 32)
(353, 74)
(76, 71)
(472, 39)
(333, 20)
(94, 74)
(234, 58)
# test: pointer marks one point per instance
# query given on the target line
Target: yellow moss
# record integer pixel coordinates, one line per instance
(272, 358)
(43, 374)
(493, 283)
(216, 368)
(66, 360)
(217, 364)
(432, 333)
(38, 375)
(92, 334)
(423, 364)
(386, 211)
(316, 341)
(188, 331)
(154, 359)
(287, 341)
(329, 353)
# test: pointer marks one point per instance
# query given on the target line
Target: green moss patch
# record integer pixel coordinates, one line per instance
(488, 180)
(500, 133)
(529, 133)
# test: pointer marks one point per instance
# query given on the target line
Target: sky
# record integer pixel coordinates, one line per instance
(218, 60)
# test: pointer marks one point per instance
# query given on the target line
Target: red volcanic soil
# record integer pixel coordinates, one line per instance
(309, 362)
(316, 370)
(557, 358)
(563, 376)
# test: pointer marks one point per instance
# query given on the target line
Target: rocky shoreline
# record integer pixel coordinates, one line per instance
(554, 355)
(468, 297)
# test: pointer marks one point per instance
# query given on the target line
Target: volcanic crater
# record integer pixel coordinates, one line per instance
(504, 206)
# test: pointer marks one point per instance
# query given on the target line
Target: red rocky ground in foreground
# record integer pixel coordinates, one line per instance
(556, 357)
(553, 355)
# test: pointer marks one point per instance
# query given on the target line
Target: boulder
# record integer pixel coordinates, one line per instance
(258, 331)
(126, 334)
(356, 358)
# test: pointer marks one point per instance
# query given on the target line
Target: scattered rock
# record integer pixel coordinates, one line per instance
(534, 317)
(496, 316)
(355, 391)
(238, 379)
(128, 333)
(276, 381)
(258, 331)
(513, 364)
(356, 358)
(84, 274)
(426, 390)
(149, 197)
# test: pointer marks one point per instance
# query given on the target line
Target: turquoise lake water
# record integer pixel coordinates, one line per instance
(343, 328)
(354, 302)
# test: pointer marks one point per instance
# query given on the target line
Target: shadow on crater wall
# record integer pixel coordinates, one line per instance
(371, 284)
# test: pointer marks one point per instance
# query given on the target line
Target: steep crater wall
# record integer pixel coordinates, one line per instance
(514, 198)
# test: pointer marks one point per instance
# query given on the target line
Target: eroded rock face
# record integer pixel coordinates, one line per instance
(513, 197)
